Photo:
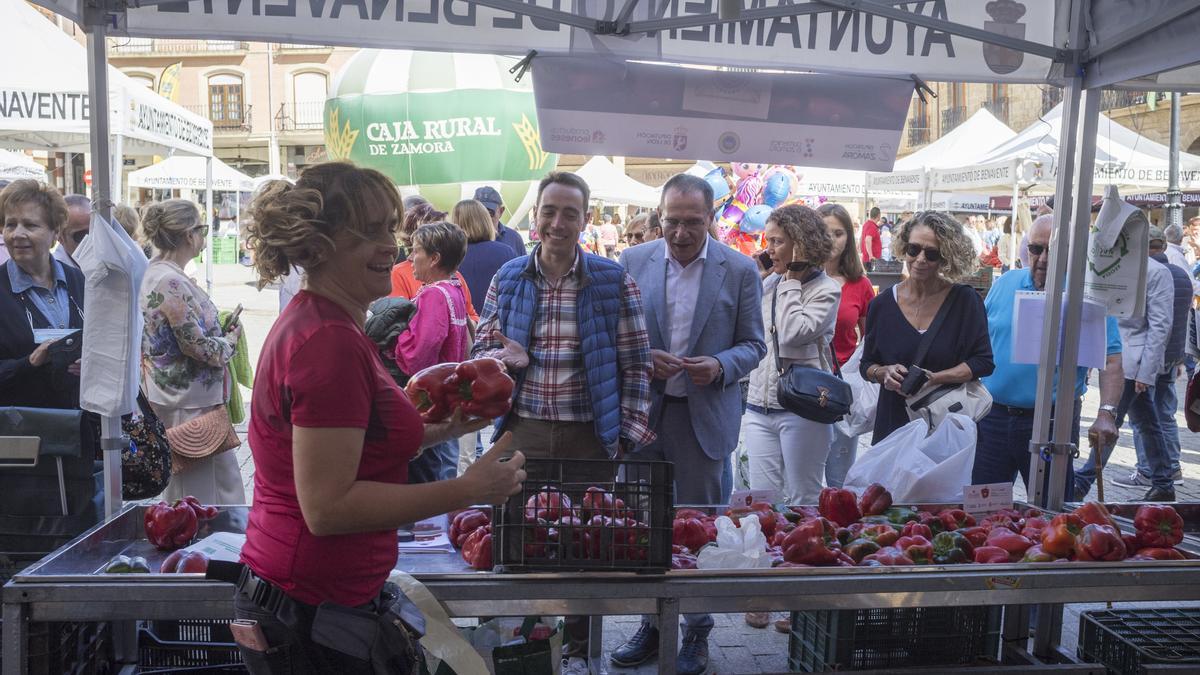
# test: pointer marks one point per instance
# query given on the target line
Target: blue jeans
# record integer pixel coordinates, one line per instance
(436, 463)
(1002, 448)
(1166, 401)
(842, 453)
(1143, 417)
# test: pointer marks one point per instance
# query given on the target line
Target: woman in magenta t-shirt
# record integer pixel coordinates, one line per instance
(845, 267)
(331, 433)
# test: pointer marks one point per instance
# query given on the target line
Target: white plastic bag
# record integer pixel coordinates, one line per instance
(742, 547)
(917, 469)
(866, 397)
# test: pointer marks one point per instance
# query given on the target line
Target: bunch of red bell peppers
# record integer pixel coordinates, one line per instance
(479, 387)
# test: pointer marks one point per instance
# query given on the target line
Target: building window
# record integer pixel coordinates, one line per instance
(226, 105)
(308, 99)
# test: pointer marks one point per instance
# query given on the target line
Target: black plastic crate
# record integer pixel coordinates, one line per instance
(823, 640)
(78, 648)
(1125, 640)
(188, 645)
(561, 532)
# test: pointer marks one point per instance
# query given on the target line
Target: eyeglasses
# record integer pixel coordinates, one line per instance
(1036, 249)
(931, 254)
(639, 237)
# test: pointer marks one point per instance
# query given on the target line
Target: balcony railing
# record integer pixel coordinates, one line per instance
(226, 119)
(1110, 100)
(297, 47)
(998, 107)
(1051, 96)
(952, 117)
(149, 47)
(918, 136)
(301, 116)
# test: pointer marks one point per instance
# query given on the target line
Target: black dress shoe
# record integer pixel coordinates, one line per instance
(1160, 494)
(693, 655)
(640, 648)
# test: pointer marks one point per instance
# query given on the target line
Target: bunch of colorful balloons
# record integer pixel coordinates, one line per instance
(744, 201)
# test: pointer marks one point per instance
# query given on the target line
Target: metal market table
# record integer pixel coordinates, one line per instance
(63, 587)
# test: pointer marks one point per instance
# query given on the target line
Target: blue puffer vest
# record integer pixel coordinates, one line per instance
(598, 311)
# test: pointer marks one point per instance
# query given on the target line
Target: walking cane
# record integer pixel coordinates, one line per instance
(1099, 470)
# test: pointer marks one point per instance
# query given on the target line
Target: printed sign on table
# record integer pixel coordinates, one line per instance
(987, 498)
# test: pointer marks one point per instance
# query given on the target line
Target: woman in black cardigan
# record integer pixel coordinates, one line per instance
(938, 252)
(37, 294)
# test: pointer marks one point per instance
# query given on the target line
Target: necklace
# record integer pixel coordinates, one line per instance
(920, 307)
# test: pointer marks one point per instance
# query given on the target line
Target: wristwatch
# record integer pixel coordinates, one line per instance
(1110, 409)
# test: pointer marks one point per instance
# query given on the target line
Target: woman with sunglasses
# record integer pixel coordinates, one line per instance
(185, 349)
(937, 252)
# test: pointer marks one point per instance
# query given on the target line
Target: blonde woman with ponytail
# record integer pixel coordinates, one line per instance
(184, 347)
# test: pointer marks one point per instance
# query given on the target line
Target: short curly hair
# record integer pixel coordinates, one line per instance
(807, 230)
(959, 259)
(45, 197)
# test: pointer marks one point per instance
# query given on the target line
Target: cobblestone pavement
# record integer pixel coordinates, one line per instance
(734, 646)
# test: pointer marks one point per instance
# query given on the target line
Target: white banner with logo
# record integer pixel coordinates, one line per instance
(835, 41)
(898, 181)
(593, 106)
(1002, 174)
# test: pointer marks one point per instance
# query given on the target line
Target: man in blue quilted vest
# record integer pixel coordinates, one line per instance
(569, 326)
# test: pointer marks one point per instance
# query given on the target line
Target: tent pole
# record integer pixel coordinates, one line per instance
(208, 207)
(1013, 242)
(118, 162)
(110, 427)
(1174, 196)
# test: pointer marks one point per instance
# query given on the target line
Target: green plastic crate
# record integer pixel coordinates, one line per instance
(1126, 640)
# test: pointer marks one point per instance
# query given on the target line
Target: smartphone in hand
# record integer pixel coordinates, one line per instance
(233, 318)
(764, 259)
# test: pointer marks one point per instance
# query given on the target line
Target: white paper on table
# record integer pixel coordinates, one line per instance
(225, 546)
(1029, 318)
(430, 536)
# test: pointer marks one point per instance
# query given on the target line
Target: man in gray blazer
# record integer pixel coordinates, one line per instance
(703, 305)
(1144, 341)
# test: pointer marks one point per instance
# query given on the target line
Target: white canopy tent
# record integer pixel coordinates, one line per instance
(1081, 45)
(191, 173)
(610, 184)
(18, 165)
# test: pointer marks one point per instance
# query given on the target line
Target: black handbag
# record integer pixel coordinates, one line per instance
(811, 393)
(146, 462)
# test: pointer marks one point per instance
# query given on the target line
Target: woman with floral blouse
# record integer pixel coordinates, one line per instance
(184, 349)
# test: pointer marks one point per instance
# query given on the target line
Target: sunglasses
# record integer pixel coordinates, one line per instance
(931, 254)
(636, 236)
(1036, 249)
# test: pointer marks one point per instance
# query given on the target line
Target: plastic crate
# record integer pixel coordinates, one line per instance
(1126, 640)
(887, 266)
(981, 280)
(193, 645)
(67, 647)
(646, 488)
(823, 640)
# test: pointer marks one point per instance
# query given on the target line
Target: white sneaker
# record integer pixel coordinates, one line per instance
(1177, 477)
(1135, 479)
(575, 666)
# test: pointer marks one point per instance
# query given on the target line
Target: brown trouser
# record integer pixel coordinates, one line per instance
(544, 439)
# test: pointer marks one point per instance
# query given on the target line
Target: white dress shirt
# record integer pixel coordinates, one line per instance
(683, 290)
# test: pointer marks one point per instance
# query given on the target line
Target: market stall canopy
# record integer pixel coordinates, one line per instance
(965, 145)
(190, 173)
(44, 101)
(435, 117)
(17, 165)
(609, 184)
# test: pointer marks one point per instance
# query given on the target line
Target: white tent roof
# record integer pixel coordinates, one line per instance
(16, 165)
(44, 96)
(964, 145)
(608, 184)
(190, 172)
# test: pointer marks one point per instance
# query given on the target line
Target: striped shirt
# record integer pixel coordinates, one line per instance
(555, 386)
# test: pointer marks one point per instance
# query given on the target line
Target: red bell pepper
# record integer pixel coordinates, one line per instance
(434, 391)
(887, 556)
(597, 501)
(915, 529)
(884, 535)
(1035, 554)
(184, 562)
(1010, 541)
(484, 387)
(1059, 537)
(803, 513)
(477, 549)
(1099, 542)
(170, 526)
(689, 532)
(1158, 525)
(952, 548)
(956, 519)
(683, 561)
(465, 523)
(1158, 553)
(931, 521)
(861, 548)
(1033, 527)
(690, 513)
(875, 500)
(839, 506)
(988, 555)
(1031, 512)
(918, 549)
(812, 543)
(976, 535)
(767, 521)
(1096, 514)
(202, 512)
(548, 504)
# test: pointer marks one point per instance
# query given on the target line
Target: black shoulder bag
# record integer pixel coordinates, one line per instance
(811, 393)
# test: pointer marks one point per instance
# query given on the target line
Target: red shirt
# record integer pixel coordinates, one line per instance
(856, 295)
(870, 229)
(319, 370)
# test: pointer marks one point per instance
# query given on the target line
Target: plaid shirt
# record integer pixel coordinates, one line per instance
(555, 386)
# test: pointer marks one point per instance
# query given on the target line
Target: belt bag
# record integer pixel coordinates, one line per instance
(200, 437)
(385, 640)
(811, 393)
(933, 402)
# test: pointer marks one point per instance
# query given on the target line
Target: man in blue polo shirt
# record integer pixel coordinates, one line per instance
(1002, 450)
(492, 201)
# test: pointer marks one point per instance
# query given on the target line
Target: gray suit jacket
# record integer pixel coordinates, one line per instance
(727, 326)
(1144, 338)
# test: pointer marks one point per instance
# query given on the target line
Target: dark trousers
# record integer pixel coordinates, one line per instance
(1144, 418)
(435, 463)
(1002, 448)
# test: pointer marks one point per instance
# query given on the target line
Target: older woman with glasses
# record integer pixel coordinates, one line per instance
(185, 349)
(938, 252)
